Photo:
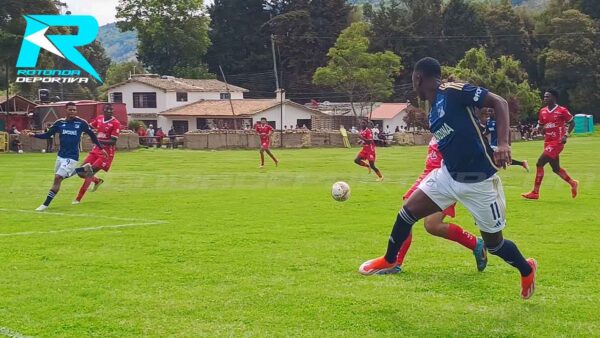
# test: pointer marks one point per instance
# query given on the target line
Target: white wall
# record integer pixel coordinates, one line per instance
(397, 121)
(290, 115)
(166, 123)
(136, 87)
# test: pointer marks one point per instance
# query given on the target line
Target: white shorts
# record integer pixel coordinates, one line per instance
(65, 167)
(485, 200)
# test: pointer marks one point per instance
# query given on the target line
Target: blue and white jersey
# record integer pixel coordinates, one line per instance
(490, 128)
(452, 120)
(69, 133)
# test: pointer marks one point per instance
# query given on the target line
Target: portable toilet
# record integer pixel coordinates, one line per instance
(590, 119)
(581, 124)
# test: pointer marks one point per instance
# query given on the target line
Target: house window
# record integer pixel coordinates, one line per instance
(181, 97)
(201, 124)
(225, 96)
(144, 100)
(116, 97)
(181, 127)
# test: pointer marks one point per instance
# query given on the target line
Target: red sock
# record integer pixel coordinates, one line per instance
(461, 236)
(95, 179)
(404, 249)
(539, 176)
(84, 188)
(563, 174)
(262, 159)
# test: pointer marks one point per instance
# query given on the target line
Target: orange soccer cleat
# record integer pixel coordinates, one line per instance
(528, 282)
(376, 266)
(574, 188)
(531, 195)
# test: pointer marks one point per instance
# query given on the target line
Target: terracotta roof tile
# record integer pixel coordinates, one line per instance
(388, 111)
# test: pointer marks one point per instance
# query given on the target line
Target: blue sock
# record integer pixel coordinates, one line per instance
(400, 232)
(50, 197)
(508, 251)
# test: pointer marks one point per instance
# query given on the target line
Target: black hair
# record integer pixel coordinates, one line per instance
(71, 104)
(429, 67)
(263, 118)
(553, 92)
(108, 106)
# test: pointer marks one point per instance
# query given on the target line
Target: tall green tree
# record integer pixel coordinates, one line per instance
(504, 76)
(571, 62)
(240, 43)
(304, 30)
(173, 34)
(463, 28)
(352, 69)
(117, 73)
(589, 7)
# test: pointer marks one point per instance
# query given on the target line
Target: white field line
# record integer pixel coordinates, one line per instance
(96, 228)
(4, 331)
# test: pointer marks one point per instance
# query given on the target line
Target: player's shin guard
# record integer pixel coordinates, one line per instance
(461, 236)
(49, 198)
(563, 174)
(539, 176)
(400, 232)
(508, 251)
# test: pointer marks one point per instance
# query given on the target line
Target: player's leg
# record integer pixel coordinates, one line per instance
(487, 203)
(562, 173)
(268, 151)
(400, 258)
(435, 225)
(431, 196)
(372, 166)
(523, 164)
(262, 157)
(360, 160)
(539, 177)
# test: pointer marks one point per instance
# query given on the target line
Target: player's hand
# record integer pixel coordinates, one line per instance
(502, 156)
(30, 134)
(104, 153)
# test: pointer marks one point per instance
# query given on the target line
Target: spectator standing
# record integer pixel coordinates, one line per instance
(160, 134)
(150, 135)
(172, 137)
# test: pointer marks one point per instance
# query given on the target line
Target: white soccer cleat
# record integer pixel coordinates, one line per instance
(42, 208)
(75, 202)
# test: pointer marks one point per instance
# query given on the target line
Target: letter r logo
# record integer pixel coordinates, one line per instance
(61, 45)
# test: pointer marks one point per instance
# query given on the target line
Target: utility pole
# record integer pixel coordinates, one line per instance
(229, 94)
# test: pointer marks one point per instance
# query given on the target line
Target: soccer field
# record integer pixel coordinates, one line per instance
(193, 243)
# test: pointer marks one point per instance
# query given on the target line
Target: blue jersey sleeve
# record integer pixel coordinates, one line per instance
(47, 135)
(90, 132)
(472, 96)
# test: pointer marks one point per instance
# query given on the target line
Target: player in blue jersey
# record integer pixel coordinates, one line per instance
(468, 175)
(490, 129)
(69, 132)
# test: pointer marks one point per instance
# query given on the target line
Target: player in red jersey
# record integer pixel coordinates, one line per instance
(265, 131)
(554, 120)
(435, 225)
(107, 128)
(368, 149)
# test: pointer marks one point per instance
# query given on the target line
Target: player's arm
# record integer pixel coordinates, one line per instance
(46, 135)
(93, 137)
(502, 155)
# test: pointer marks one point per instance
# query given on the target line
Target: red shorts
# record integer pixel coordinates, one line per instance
(553, 149)
(265, 144)
(367, 154)
(450, 211)
(97, 160)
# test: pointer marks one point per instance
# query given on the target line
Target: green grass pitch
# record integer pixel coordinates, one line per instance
(193, 243)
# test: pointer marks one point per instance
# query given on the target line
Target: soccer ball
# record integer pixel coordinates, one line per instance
(43, 151)
(20, 151)
(340, 191)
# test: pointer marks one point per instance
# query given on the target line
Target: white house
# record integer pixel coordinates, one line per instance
(236, 114)
(147, 95)
(390, 114)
